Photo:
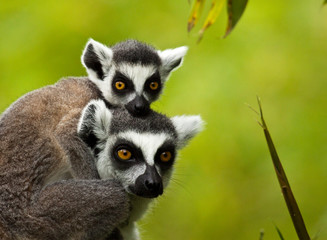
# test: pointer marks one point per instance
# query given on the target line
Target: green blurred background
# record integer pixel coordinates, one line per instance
(224, 186)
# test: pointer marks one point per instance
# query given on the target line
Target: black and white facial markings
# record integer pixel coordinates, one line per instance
(130, 73)
(138, 152)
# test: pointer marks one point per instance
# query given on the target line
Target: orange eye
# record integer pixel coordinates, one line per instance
(124, 154)
(119, 85)
(154, 85)
(165, 156)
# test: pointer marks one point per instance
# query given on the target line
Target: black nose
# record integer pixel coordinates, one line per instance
(138, 106)
(152, 186)
(149, 184)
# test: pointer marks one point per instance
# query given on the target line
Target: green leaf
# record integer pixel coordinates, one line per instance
(235, 9)
(214, 12)
(325, 2)
(195, 14)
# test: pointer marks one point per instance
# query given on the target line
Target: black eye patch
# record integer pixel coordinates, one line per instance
(121, 79)
(165, 147)
(136, 158)
(148, 85)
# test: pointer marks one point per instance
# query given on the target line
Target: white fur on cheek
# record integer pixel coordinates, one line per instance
(128, 177)
(105, 86)
(104, 165)
(92, 75)
(107, 170)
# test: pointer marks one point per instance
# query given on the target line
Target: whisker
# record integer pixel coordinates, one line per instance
(182, 185)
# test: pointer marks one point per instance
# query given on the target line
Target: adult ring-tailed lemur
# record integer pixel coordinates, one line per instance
(47, 173)
(137, 152)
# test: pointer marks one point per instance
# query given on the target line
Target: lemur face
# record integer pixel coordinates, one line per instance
(141, 161)
(138, 152)
(130, 73)
(135, 86)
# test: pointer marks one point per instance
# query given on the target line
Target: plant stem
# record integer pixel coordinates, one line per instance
(292, 206)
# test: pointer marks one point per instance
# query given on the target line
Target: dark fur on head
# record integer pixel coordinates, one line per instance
(133, 51)
(153, 122)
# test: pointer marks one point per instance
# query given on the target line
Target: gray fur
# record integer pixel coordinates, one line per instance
(134, 52)
(146, 138)
(48, 186)
(153, 122)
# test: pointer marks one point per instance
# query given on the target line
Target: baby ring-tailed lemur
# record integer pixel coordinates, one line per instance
(137, 152)
(130, 74)
(47, 173)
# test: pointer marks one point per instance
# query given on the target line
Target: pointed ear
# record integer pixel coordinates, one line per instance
(94, 123)
(97, 59)
(186, 127)
(171, 59)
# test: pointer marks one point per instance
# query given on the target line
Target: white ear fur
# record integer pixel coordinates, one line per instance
(187, 127)
(95, 119)
(96, 58)
(171, 59)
